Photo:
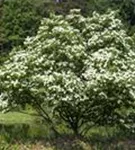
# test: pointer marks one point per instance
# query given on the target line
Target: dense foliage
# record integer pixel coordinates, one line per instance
(18, 19)
(126, 10)
(79, 69)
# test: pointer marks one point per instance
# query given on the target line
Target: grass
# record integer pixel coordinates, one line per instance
(16, 118)
(22, 131)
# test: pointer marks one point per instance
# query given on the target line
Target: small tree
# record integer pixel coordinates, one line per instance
(79, 69)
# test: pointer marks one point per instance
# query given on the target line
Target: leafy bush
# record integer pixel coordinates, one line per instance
(79, 69)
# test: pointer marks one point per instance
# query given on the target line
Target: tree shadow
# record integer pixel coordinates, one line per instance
(32, 134)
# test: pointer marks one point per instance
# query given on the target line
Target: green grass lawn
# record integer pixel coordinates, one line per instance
(16, 118)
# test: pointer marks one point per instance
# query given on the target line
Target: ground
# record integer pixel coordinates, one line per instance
(22, 131)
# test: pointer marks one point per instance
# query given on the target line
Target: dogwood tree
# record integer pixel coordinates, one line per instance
(79, 69)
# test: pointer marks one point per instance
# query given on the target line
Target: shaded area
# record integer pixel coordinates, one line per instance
(38, 136)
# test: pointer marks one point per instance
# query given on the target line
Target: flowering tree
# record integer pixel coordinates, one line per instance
(78, 69)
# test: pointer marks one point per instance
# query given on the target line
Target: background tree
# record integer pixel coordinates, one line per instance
(19, 19)
(127, 9)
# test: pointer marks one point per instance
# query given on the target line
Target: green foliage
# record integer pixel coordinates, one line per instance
(126, 9)
(79, 69)
(18, 20)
